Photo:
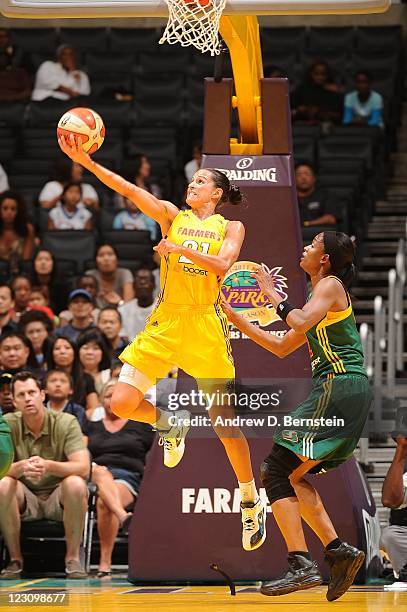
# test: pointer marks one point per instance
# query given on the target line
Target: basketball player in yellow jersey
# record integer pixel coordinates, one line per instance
(187, 328)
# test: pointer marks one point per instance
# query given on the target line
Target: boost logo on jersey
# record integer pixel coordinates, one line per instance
(243, 293)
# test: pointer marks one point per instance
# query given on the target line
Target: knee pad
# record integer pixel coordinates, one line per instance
(275, 473)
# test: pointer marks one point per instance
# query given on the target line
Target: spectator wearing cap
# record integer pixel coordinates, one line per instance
(6, 309)
(6, 398)
(48, 476)
(90, 284)
(16, 353)
(363, 106)
(61, 79)
(58, 387)
(80, 304)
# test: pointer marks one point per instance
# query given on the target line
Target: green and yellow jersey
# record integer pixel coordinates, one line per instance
(334, 344)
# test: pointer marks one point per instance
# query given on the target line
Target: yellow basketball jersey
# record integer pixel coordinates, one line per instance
(182, 281)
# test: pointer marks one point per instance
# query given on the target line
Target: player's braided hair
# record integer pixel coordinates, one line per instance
(231, 193)
(341, 250)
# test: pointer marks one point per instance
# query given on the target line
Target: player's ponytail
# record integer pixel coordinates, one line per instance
(231, 193)
(341, 251)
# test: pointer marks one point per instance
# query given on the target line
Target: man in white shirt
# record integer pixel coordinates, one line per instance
(3, 180)
(394, 496)
(62, 79)
(135, 312)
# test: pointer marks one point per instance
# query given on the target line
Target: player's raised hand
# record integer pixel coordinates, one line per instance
(265, 281)
(72, 147)
(165, 247)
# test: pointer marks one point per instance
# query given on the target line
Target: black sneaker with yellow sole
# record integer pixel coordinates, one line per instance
(302, 574)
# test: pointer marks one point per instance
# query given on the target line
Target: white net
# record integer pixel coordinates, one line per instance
(194, 22)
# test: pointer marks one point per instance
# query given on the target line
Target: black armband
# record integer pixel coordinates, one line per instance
(283, 309)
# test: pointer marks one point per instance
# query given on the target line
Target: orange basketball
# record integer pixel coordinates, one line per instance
(87, 124)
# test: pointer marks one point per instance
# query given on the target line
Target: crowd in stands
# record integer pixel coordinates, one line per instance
(63, 326)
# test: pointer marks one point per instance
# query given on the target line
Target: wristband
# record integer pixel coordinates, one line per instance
(283, 309)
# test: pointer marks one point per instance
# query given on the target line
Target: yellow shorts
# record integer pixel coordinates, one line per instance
(194, 338)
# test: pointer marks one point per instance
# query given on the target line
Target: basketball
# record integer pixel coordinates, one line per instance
(86, 124)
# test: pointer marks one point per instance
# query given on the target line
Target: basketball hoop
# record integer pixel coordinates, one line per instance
(196, 23)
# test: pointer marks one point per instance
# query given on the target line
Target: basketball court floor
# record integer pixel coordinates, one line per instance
(118, 595)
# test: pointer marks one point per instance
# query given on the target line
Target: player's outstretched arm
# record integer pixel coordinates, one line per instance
(302, 319)
(160, 210)
(281, 347)
(218, 264)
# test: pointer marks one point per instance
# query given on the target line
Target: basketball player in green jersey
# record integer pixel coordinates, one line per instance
(340, 389)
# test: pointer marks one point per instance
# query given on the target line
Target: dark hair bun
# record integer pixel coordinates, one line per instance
(235, 195)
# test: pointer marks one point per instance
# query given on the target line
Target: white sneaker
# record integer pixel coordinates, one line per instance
(254, 524)
(174, 439)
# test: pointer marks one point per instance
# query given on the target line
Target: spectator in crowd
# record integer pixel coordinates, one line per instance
(195, 163)
(6, 398)
(89, 284)
(115, 284)
(94, 357)
(16, 353)
(61, 80)
(274, 72)
(109, 322)
(4, 184)
(15, 84)
(68, 214)
(394, 496)
(317, 98)
(64, 355)
(118, 448)
(135, 312)
(363, 106)
(80, 304)
(6, 309)
(141, 178)
(48, 476)
(133, 219)
(59, 389)
(21, 287)
(317, 206)
(37, 326)
(16, 233)
(45, 274)
(67, 171)
(16, 57)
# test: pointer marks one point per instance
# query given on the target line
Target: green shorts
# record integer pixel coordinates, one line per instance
(327, 426)
(6, 453)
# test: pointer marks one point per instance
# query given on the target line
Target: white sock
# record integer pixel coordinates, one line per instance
(162, 423)
(248, 492)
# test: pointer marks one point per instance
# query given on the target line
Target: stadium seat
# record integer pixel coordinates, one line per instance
(342, 147)
(12, 114)
(85, 39)
(101, 63)
(112, 150)
(384, 37)
(4, 271)
(41, 143)
(36, 39)
(341, 166)
(325, 40)
(163, 61)
(139, 252)
(157, 111)
(115, 114)
(43, 542)
(7, 148)
(21, 165)
(153, 148)
(304, 150)
(27, 180)
(375, 62)
(116, 237)
(302, 130)
(161, 85)
(131, 40)
(70, 244)
(39, 58)
(276, 39)
(105, 86)
(49, 111)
